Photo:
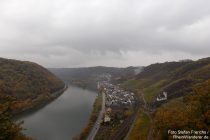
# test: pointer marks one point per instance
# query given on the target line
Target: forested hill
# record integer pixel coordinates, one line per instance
(176, 78)
(187, 105)
(87, 76)
(26, 84)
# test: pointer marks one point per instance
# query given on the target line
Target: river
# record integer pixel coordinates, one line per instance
(62, 119)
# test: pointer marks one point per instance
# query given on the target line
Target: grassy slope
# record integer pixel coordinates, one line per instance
(141, 127)
(150, 92)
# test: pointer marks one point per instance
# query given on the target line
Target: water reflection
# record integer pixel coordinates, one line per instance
(63, 118)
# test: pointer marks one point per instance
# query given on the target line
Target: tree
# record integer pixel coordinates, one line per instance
(193, 113)
(8, 129)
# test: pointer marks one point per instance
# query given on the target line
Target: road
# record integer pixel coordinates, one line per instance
(98, 121)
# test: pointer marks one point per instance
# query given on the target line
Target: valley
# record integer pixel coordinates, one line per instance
(104, 70)
(128, 105)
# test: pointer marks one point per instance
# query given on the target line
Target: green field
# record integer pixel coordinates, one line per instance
(141, 127)
(151, 91)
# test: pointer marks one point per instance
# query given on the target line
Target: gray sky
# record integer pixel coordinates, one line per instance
(74, 33)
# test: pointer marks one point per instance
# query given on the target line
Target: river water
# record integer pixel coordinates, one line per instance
(62, 119)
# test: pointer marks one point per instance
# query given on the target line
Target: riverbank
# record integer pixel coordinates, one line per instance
(62, 119)
(93, 117)
(36, 107)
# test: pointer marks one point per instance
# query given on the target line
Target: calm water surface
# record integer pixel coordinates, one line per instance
(63, 118)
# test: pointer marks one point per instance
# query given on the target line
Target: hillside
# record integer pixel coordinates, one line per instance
(175, 78)
(26, 84)
(88, 76)
(191, 112)
(187, 106)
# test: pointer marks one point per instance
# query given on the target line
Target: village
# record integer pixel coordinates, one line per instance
(118, 102)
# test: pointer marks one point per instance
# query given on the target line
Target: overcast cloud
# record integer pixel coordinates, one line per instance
(75, 33)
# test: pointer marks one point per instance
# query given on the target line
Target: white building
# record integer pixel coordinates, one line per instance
(162, 98)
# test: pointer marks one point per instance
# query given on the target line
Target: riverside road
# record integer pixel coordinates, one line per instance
(98, 121)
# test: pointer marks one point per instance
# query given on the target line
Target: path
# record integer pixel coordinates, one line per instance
(98, 121)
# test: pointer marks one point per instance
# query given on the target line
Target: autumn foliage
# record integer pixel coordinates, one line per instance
(28, 83)
(23, 85)
(192, 112)
(8, 129)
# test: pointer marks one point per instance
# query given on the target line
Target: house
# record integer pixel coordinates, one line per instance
(107, 118)
(162, 97)
(109, 103)
(109, 110)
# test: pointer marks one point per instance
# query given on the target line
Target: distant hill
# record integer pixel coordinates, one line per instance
(88, 76)
(26, 84)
